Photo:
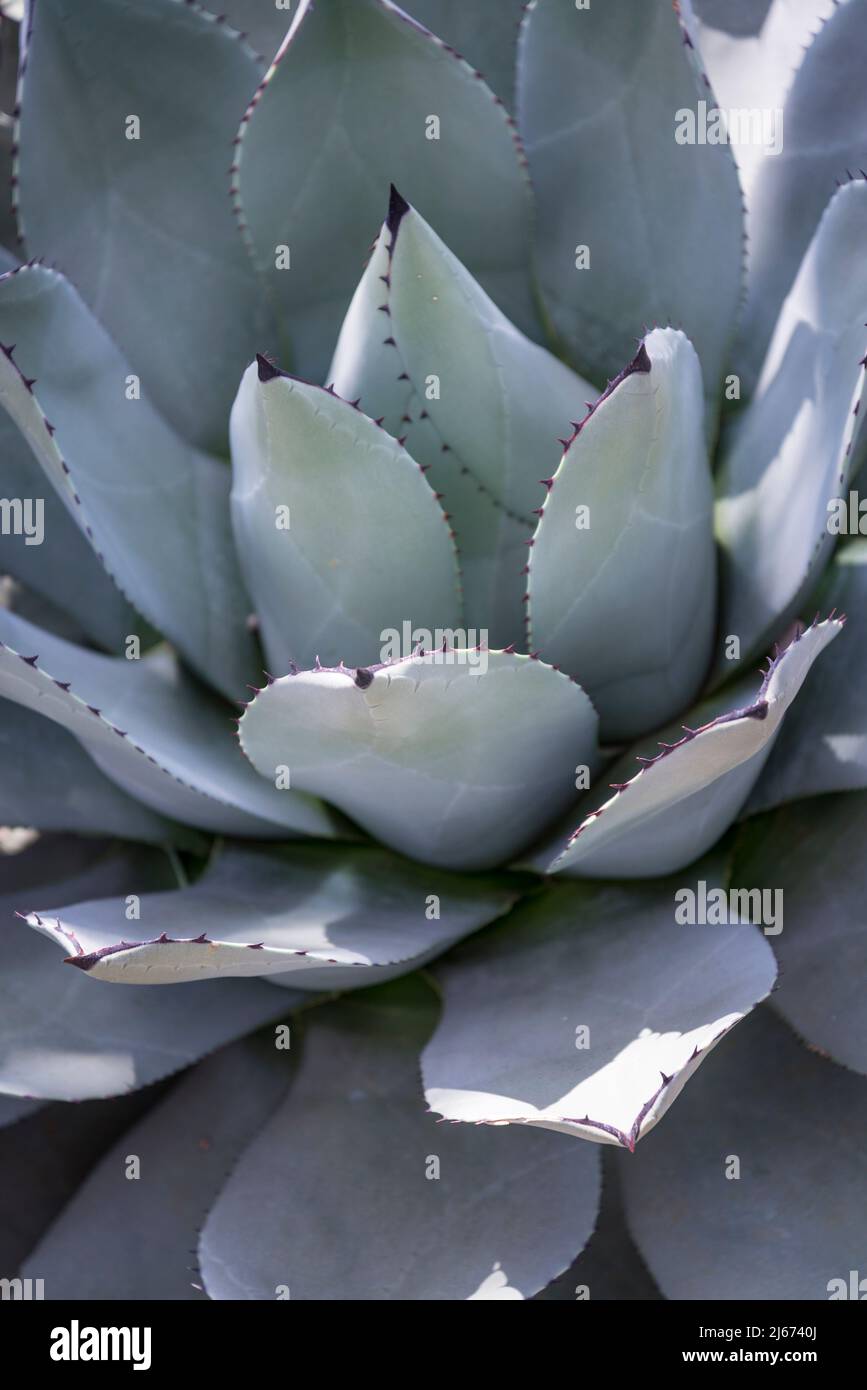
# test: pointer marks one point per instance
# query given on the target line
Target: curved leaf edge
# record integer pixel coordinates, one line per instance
(386, 7)
(65, 686)
(219, 20)
(757, 709)
(8, 350)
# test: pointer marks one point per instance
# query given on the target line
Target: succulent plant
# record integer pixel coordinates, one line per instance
(495, 517)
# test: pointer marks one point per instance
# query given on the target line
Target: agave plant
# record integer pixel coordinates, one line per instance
(495, 518)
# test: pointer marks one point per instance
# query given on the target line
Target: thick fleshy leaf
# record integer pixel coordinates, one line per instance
(610, 1267)
(46, 1156)
(455, 757)
(823, 744)
(601, 92)
(810, 855)
(128, 191)
(64, 1037)
(589, 1009)
(155, 510)
(825, 139)
(794, 1218)
(139, 1235)
(312, 917)
(622, 586)
(340, 536)
(486, 35)
(800, 439)
(399, 107)
(751, 50)
(478, 404)
(421, 1232)
(263, 23)
(685, 797)
(149, 729)
(63, 566)
(50, 783)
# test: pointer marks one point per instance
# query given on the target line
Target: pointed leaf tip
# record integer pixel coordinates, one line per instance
(267, 370)
(398, 207)
(640, 362)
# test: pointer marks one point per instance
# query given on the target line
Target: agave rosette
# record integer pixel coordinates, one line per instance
(486, 526)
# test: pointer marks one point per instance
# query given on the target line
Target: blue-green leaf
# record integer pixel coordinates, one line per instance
(398, 107)
(479, 405)
(138, 215)
(141, 1249)
(155, 510)
(153, 732)
(63, 566)
(791, 1216)
(65, 1037)
(456, 757)
(602, 93)
(825, 141)
(340, 536)
(751, 51)
(682, 799)
(610, 1266)
(314, 917)
(822, 745)
(46, 1156)
(810, 854)
(797, 444)
(486, 35)
(50, 783)
(352, 1192)
(622, 587)
(589, 1008)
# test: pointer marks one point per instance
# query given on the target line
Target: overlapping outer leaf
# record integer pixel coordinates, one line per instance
(485, 35)
(795, 1217)
(64, 568)
(50, 783)
(139, 217)
(341, 537)
(589, 1009)
(313, 917)
(155, 510)
(751, 50)
(455, 758)
(600, 94)
(139, 1248)
(622, 586)
(807, 853)
(371, 78)
(685, 797)
(150, 730)
(610, 1266)
(47, 1155)
(263, 25)
(822, 745)
(478, 405)
(824, 141)
(448, 1212)
(798, 442)
(63, 1037)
